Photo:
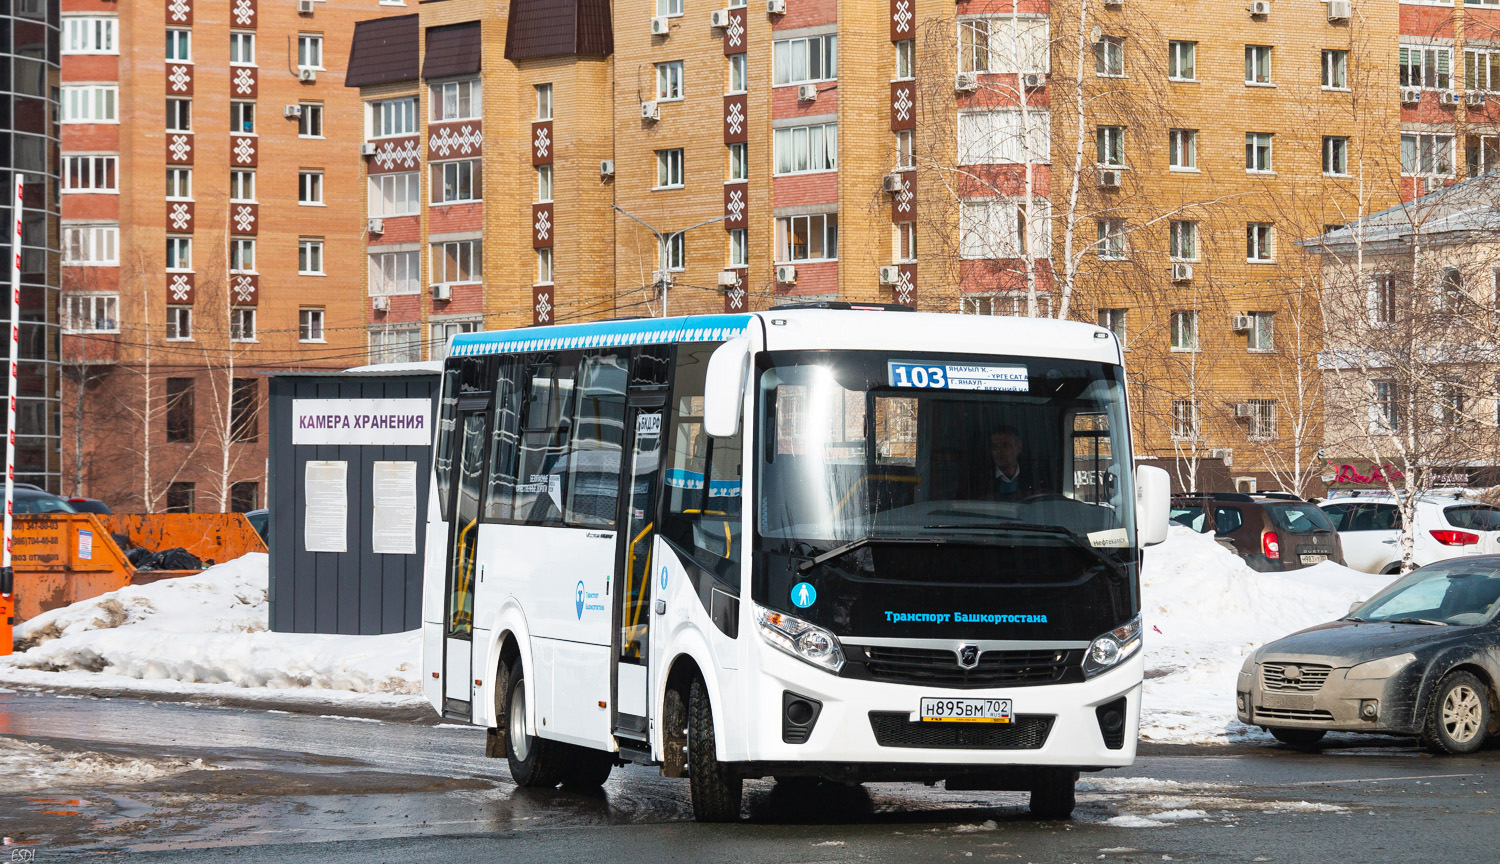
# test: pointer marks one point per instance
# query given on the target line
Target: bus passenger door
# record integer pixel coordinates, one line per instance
(468, 488)
(644, 424)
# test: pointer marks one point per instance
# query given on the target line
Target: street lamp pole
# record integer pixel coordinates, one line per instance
(663, 245)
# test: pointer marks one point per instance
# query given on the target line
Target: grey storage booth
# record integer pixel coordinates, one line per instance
(348, 473)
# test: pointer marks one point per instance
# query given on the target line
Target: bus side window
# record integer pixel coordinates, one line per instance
(545, 431)
(505, 442)
(703, 476)
(447, 413)
(593, 459)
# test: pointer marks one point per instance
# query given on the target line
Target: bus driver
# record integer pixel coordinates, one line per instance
(1007, 479)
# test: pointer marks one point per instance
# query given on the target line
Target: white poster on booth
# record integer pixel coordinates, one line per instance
(362, 422)
(393, 528)
(326, 518)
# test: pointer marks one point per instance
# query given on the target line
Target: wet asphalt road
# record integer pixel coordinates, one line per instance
(289, 787)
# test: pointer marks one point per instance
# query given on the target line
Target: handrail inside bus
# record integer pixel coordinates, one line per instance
(465, 572)
(865, 480)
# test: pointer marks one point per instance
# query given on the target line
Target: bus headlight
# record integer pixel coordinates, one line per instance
(807, 642)
(1112, 648)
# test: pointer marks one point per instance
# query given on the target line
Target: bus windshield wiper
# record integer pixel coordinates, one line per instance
(1420, 621)
(845, 548)
(1068, 534)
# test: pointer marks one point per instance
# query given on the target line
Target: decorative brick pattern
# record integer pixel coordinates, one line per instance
(179, 12)
(244, 82)
(542, 226)
(455, 140)
(903, 105)
(737, 299)
(180, 148)
(736, 205)
(395, 155)
(904, 203)
(244, 151)
(244, 289)
(541, 143)
(244, 219)
(244, 14)
(179, 79)
(180, 289)
(736, 120)
(179, 217)
(735, 33)
(542, 304)
(903, 19)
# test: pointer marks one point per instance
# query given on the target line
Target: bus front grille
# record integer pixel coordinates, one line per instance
(939, 667)
(1025, 732)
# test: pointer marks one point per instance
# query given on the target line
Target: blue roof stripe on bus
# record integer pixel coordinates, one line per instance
(602, 334)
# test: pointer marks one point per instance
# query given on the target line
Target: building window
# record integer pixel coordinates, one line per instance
(1481, 154)
(544, 266)
(1113, 320)
(1262, 335)
(1258, 152)
(669, 8)
(242, 117)
(395, 194)
(669, 169)
(1112, 239)
(905, 241)
(180, 184)
(1012, 305)
(807, 238)
(179, 253)
(442, 332)
(241, 185)
(1258, 242)
(310, 324)
(244, 496)
(394, 273)
(674, 253)
(309, 187)
(310, 257)
(1184, 335)
(179, 323)
(1109, 145)
(1426, 155)
(244, 411)
(1000, 228)
(1387, 398)
(455, 100)
(1182, 149)
(1451, 292)
(401, 343)
(179, 409)
(543, 102)
(241, 256)
(1481, 70)
(90, 174)
(1182, 61)
(739, 162)
(241, 49)
(1109, 57)
(736, 73)
(242, 324)
(1182, 241)
(669, 80)
(1422, 66)
(456, 262)
(804, 149)
(1257, 64)
(390, 117)
(309, 51)
(90, 103)
(310, 122)
(1450, 403)
(179, 497)
(1336, 155)
(91, 313)
(799, 61)
(906, 63)
(1184, 419)
(179, 46)
(1008, 44)
(90, 35)
(906, 157)
(1383, 299)
(739, 247)
(454, 182)
(1335, 69)
(1004, 137)
(179, 115)
(543, 183)
(91, 245)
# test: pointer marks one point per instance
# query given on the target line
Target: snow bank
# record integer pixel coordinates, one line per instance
(206, 629)
(30, 767)
(1204, 611)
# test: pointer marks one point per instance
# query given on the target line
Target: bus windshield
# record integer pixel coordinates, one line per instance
(869, 446)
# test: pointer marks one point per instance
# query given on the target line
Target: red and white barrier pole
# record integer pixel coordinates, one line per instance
(7, 574)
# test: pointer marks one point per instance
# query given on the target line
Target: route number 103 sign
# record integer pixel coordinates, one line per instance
(958, 376)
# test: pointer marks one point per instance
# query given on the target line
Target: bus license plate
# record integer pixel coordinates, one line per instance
(934, 710)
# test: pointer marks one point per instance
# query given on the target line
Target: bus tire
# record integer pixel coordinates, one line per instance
(587, 768)
(535, 762)
(1053, 793)
(716, 788)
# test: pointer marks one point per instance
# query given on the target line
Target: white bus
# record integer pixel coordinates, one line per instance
(851, 544)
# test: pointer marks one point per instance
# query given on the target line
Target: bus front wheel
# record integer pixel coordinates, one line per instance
(534, 762)
(716, 787)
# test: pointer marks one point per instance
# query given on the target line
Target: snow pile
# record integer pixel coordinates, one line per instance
(28, 767)
(206, 629)
(1205, 610)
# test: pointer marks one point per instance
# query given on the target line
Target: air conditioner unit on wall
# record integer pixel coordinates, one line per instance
(729, 278)
(381, 304)
(1339, 10)
(1243, 410)
(1035, 80)
(442, 292)
(649, 111)
(890, 274)
(1109, 178)
(775, 7)
(1226, 454)
(1241, 322)
(304, 7)
(892, 183)
(606, 167)
(718, 18)
(786, 274)
(807, 92)
(1411, 95)
(292, 111)
(1260, 7)
(307, 74)
(376, 226)
(1447, 97)
(1182, 272)
(660, 24)
(1474, 97)
(367, 149)
(966, 82)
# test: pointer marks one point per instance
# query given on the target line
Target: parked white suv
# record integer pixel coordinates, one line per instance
(1369, 528)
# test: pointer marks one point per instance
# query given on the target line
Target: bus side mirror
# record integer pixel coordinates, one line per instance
(1153, 504)
(724, 388)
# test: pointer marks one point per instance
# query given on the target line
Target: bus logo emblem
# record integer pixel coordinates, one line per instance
(578, 600)
(968, 656)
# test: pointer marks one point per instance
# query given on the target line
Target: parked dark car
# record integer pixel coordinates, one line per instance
(90, 505)
(1271, 534)
(260, 520)
(36, 501)
(1419, 658)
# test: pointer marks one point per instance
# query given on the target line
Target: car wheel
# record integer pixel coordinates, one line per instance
(716, 788)
(1297, 737)
(1054, 794)
(534, 762)
(1458, 715)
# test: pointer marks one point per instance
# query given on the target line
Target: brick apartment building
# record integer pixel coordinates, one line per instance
(213, 214)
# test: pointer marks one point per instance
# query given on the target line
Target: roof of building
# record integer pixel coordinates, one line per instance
(1448, 215)
(552, 28)
(453, 49)
(384, 50)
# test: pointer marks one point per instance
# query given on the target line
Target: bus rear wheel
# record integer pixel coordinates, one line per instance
(1053, 793)
(534, 762)
(716, 788)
